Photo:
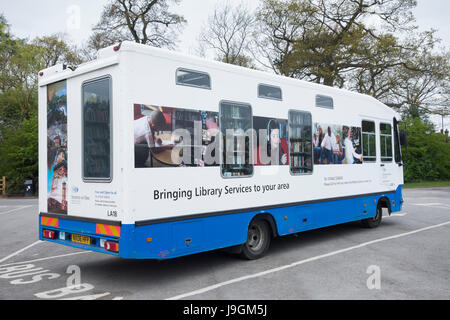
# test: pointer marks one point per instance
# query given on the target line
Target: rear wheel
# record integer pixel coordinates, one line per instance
(375, 221)
(258, 240)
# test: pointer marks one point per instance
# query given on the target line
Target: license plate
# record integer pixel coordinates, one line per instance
(81, 239)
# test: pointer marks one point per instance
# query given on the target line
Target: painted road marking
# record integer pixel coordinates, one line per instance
(434, 204)
(19, 251)
(15, 209)
(294, 264)
(46, 258)
(395, 215)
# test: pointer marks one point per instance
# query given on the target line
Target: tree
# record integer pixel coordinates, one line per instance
(18, 79)
(428, 153)
(369, 46)
(425, 89)
(228, 32)
(143, 21)
(411, 77)
(20, 63)
(54, 49)
(18, 154)
(8, 49)
(319, 40)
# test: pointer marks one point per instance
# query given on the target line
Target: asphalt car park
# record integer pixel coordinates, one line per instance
(407, 257)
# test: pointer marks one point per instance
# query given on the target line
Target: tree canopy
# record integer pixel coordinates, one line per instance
(372, 47)
(143, 21)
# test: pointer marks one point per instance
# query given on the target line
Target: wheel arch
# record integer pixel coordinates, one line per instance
(266, 216)
(384, 202)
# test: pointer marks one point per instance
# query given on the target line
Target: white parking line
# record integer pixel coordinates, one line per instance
(15, 209)
(395, 215)
(19, 251)
(434, 204)
(294, 264)
(46, 258)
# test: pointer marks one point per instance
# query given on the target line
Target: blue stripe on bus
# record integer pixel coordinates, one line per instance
(179, 238)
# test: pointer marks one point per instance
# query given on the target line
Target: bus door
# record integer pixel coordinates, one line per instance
(387, 165)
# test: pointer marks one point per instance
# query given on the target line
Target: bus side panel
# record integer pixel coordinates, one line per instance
(174, 239)
(179, 238)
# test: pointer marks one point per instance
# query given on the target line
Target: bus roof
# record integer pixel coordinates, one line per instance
(110, 56)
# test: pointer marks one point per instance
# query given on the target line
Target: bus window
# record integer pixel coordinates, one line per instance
(386, 142)
(236, 128)
(300, 142)
(269, 92)
(324, 102)
(369, 145)
(97, 129)
(397, 152)
(193, 78)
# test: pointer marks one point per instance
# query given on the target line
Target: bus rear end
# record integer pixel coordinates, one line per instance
(78, 198)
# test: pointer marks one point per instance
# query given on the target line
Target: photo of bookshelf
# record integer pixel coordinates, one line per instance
(235, 120)
(300, 142)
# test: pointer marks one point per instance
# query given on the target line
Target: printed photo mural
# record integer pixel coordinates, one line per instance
(336, 144)
(57, 147)
(272, 141)
(176, 137)
(168, 137)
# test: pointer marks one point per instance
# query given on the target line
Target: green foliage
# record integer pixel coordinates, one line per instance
(20, 63)
(427, 154)
(19, 155)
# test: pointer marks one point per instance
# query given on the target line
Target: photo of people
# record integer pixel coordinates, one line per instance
(57, 147)
(271, 137)
(336, 144)
(157, 142)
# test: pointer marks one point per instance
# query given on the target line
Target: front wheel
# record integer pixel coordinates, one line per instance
(375, 221)
(258, 240)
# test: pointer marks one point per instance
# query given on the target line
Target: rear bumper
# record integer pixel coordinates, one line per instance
(98, 231)
(154, 241)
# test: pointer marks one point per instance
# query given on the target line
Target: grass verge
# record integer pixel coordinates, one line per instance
(427, 184)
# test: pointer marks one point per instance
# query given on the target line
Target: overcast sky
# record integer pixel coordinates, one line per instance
(32, 18)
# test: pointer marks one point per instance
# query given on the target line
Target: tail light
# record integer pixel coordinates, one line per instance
(112, 246)
(49, 234)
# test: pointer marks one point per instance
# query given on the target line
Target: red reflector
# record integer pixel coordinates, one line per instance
(111, 246)
(116, 48)
(49, 234)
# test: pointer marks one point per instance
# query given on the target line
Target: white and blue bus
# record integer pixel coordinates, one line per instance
(151, 154)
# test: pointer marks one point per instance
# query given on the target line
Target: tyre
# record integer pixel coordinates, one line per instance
(375, 221)
(258, 240)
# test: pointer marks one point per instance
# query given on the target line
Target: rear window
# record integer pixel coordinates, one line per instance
(97, 130)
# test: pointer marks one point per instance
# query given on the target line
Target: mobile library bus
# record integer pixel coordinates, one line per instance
(149, 153)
